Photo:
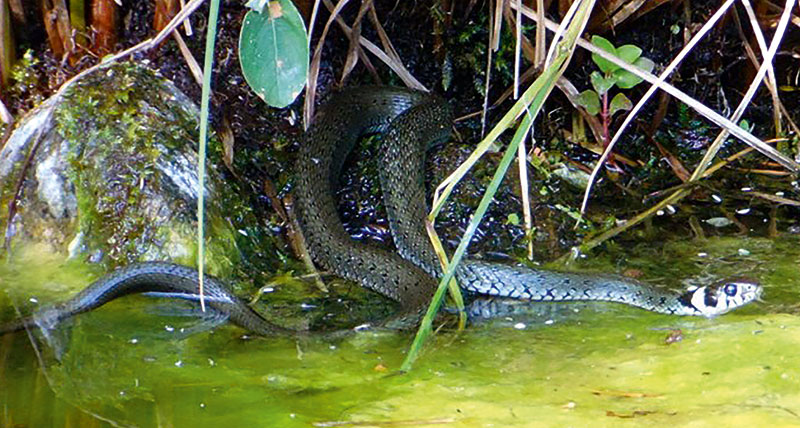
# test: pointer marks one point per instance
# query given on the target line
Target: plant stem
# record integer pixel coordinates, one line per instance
(211, 35)
(604, 115)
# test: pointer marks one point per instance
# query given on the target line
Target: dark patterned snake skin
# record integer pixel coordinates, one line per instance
(409, 121)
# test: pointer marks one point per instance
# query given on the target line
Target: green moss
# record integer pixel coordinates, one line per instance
(470, 47)
(113, 148)
(7, 187)
(119, 124)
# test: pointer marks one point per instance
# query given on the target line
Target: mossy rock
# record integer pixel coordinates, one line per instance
(106, 170)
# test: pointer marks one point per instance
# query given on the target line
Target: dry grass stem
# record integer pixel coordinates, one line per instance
(646, 97)
(384, 38)
(771, 82)
(517, 48)
(354, 35)
(769, 55)
(541, 33)
(194, 67)
(187, 25)
(312, 22)
(522, 160)
(313, 70)
(709, 114)
(714, 117)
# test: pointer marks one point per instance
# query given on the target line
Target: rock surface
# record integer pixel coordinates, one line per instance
(106, 170)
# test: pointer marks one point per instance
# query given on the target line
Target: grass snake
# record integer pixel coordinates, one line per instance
(409, 122)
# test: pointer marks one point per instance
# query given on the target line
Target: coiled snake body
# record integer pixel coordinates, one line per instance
(409, 121)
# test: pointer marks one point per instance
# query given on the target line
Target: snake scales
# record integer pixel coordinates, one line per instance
(409, 121)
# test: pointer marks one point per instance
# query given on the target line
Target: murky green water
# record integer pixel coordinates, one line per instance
(573, 365)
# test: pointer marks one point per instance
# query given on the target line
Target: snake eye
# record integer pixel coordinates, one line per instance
(730, 289)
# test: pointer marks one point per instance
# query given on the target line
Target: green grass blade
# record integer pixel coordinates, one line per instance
(530, 102)
(208, 63)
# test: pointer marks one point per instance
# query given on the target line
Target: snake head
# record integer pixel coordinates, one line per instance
(723, 296)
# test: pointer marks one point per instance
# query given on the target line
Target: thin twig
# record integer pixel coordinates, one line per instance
(194, 67)
(517, 48)
(313, 71)
(771, 82)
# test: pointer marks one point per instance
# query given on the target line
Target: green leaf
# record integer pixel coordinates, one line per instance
(620, 102)
(602, 84)
(589, 100)
(645, 64)
(273, 52)
(605, 65)
(512, 219)
(744, 124)
(629, 53)
(627, 80)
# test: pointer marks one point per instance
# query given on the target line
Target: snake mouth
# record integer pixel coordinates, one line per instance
(756, 296)
(753, 292)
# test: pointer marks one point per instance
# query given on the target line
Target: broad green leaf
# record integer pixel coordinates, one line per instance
(620, 102)
(627, 80)
(629, 53)
(645, 64)
(602, 43)
(589, 100)
(273, 52)
(602, 84)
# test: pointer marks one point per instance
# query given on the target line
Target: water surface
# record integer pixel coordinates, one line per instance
(129, 364)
